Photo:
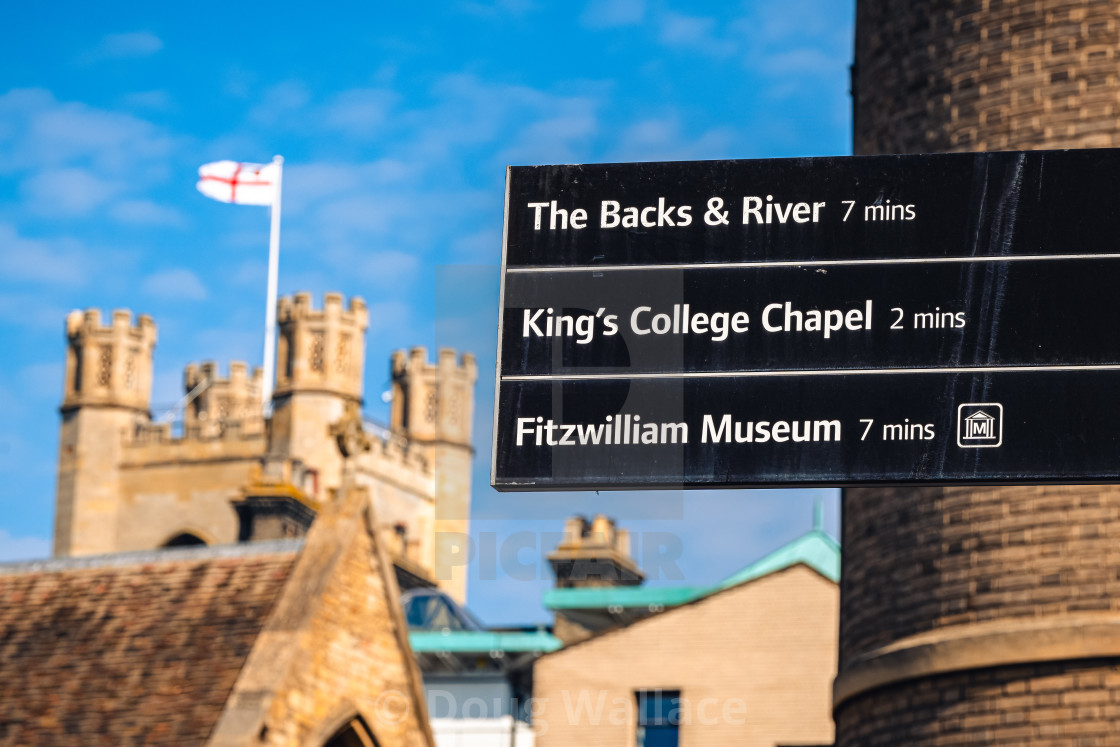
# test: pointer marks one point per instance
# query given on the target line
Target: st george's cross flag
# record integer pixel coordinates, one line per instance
(239, 183)
(253, 184)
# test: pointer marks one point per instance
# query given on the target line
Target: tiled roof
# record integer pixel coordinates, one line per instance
(134, 648)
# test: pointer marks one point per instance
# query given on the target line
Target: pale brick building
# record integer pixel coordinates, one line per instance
(746, 662)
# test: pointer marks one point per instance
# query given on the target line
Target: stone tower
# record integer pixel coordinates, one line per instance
(107, 391)
(319, 360)
(980, 616)
(433, 408)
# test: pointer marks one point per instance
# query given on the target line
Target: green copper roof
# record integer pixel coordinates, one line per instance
(481, 641)
(622, 596)
(814, 549)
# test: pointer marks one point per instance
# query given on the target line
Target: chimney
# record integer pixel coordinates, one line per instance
(595, 553)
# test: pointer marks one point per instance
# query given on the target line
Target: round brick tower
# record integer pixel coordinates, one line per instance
(981, 616)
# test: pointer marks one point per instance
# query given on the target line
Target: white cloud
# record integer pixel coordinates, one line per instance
(22, 548)
(799, 62)
(663, 139)
(124, 46)
(797, 46)
(386, 269)
(68, 192)
(778, 23)
(225, 343)
(692, 32)
(175, 284)
(388, 316)
(557, 138)
(603, 14)
(32, 311)
(359, 112)
(167, 390)
(157, 100)
(42, 379)
(481, 247)
(14, 407)
(311, 184)
(369, 213)
(59, 261)
(38, 132)
(251, 273)
(495, 8)
(280, 102)
(146, 212)
(371, 221)
(539, 125)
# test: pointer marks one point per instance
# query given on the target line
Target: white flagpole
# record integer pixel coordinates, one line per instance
(270, 310)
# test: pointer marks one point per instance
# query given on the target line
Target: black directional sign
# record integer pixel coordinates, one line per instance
(833, 321)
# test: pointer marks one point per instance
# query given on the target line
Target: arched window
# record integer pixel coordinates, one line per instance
(184, 539)
(354, 734)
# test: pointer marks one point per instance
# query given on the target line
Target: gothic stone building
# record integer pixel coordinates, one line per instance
(127, 482)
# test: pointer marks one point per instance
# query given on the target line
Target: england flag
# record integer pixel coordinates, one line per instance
(239, 183)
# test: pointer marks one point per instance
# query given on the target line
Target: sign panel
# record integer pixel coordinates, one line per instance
(835, 321)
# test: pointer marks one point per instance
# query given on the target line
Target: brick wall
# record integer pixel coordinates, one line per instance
(968, 75)
(922, 559)
(982, 616)
(1059, 705)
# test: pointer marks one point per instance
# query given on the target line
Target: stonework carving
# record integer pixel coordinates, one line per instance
(105, 366)
(316, 353)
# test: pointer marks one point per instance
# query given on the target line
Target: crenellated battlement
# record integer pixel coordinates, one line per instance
(321, 349)
(108, 365)
(216, 401)
(300, 306)
(238, 379)
(395, 456)
(433, 401)
(252, 428)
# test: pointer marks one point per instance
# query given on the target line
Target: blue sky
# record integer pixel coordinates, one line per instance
(396, 122)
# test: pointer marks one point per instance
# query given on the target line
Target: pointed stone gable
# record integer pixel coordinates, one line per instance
(335, 647)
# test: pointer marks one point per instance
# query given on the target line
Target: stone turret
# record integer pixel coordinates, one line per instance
(219, 402)
(107, 393)
(111, 365)
(320, 360)
(433, 403)
(433, 408)
(321, 351)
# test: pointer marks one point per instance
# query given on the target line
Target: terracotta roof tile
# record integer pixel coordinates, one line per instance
(129, 651)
